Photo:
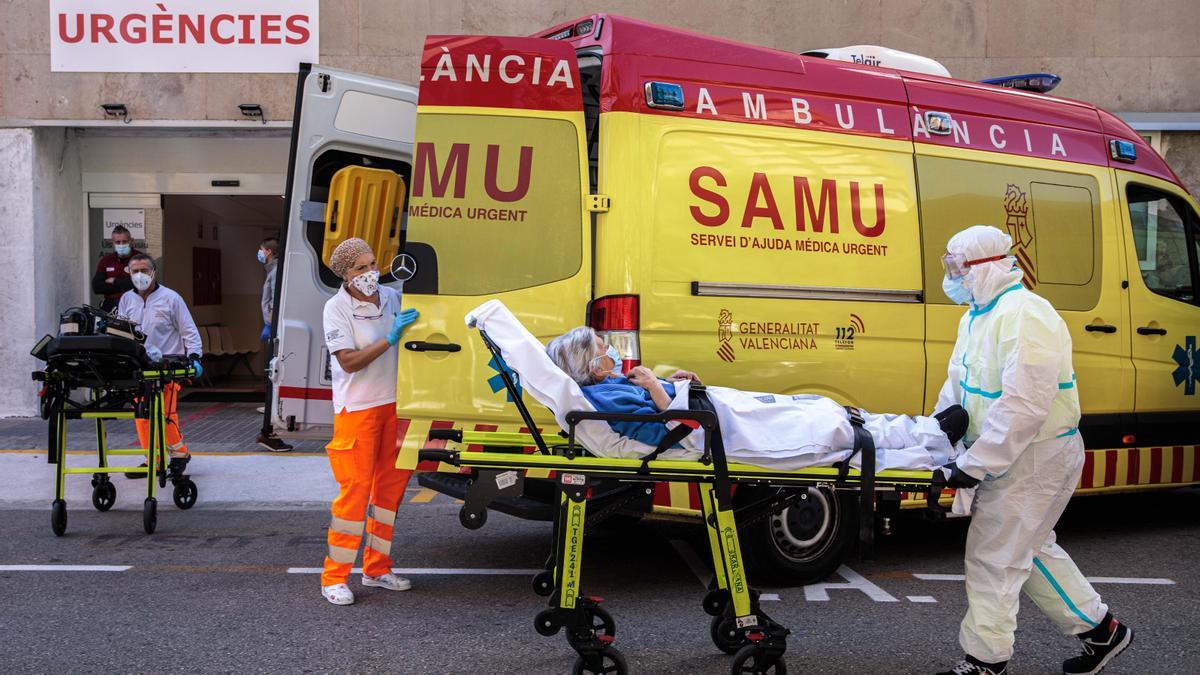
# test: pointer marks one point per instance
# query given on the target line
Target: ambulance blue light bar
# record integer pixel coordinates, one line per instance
(664, 95)
(1039, 82)
(1123, 151)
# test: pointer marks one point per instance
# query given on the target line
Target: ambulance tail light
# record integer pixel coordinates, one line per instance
(616, 319)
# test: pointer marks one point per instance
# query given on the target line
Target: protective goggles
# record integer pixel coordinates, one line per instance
(956, 265)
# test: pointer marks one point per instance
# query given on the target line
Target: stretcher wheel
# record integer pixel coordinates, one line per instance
(184, 494)
(104, 495)
(58, 517)
(471, 520)
(150, 515)
(601, 623)
(750, 660)
(610, 660)
(545, 623)
(543, 583)
(725, 635)
(715, 601)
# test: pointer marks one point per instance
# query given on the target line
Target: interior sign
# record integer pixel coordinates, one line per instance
(183, 36)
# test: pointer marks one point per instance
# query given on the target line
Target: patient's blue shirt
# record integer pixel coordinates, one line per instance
(619, 395)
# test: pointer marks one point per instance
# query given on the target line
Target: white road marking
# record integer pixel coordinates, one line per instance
(64, 568)
(1145, 581)
(769, 597)
(693, 561)
(921, 598)
(854, 581)
(462, 571)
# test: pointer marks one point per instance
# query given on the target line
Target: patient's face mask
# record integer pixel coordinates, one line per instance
(367, 283)
(141, 280)
(615, 357)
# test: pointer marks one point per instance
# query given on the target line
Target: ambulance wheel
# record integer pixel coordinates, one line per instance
(150, 515)
(545, 623)
(750, 661)
(612, 662)
(601, 623)
(472, 521)
(184, 494)
(804, 543)
(58, 517)
(104, 495)
(543, 583)
(725, 634)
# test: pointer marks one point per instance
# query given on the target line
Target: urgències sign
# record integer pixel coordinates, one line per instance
(178, 36)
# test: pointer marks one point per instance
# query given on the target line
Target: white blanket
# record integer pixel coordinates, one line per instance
(785, 432)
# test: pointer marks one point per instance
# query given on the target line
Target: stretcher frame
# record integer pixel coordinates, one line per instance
(738, 625)
(118, 403)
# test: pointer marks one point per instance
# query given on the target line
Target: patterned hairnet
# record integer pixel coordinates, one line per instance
(346, 253)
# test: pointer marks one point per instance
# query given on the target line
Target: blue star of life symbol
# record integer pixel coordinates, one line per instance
(496, 382)
(1188, 371)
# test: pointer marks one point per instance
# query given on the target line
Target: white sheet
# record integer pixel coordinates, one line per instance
(777, 431)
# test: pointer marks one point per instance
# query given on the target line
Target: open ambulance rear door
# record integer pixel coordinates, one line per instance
(496, 210)
(352, 140)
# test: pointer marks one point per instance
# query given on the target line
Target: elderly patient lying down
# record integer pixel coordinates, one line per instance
(781, 431)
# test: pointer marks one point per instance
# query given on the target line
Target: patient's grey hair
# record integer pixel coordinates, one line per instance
(573, 352)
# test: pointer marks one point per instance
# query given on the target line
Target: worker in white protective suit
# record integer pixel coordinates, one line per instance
(1011, 369)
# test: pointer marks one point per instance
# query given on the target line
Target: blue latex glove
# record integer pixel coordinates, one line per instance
(403, 320)
(198, 367)
(266, 333)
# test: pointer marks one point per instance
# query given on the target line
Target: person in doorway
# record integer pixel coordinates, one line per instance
(1011, 369)
(268, 253)
(163, 317)
(111, 279)
(363, 323)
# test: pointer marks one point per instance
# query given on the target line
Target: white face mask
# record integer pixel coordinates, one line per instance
(141, 280)
(367, 283)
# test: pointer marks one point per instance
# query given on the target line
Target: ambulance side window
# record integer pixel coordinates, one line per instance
(1166, 258)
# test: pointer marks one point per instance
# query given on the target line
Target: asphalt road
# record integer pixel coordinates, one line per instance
(211, 592)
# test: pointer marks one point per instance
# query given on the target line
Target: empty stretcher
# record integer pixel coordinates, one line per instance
(104, 377)
(738, 625)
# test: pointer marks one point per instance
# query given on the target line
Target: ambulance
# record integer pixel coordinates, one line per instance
(772, 221)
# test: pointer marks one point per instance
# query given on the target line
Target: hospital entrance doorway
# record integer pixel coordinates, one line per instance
(209, 256)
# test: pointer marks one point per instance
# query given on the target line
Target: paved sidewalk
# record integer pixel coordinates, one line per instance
(207, 427)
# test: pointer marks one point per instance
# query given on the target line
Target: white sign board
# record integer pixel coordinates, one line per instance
(134, 220)
(183, 36)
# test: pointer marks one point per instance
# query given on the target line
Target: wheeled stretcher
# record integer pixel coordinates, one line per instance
(105, 377)
(738, 625)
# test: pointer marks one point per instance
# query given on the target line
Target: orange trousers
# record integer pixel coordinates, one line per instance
(362, 455)
(175, 445)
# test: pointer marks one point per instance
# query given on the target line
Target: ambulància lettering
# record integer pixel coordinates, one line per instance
(510, 69)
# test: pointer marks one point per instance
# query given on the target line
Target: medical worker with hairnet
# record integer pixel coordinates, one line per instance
(363, 323)
(1011, 369)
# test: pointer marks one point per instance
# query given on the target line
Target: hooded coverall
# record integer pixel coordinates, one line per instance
(1011, 369)
(363, 450)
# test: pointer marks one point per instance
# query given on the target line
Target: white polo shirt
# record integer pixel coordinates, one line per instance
(164, 317)
(355, 324)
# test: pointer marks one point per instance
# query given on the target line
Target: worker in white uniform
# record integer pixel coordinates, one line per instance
(162, 315)
(1011, 369)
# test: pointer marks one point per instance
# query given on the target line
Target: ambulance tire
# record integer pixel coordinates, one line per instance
(804, 543)
(612, 663)
(58, 517)
(746, 662)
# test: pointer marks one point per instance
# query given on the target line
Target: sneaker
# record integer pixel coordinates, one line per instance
(134, 475)
(973, 666)
(338, 594)
(389, 581)
(272, 443)
(1100, 645)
